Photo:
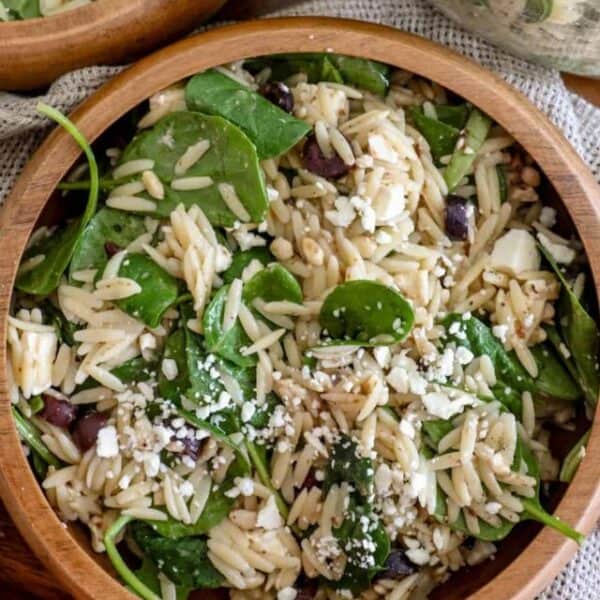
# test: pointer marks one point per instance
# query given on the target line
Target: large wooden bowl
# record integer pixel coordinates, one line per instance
(35, 52)
(532, 557)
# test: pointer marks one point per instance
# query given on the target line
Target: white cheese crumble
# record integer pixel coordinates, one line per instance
(440, 405)
(515, 252)
(107, 444)
(560, 253)
(268, 516)
(500, 331)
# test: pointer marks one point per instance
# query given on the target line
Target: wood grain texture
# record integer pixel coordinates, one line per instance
(34, 52)
(547, 552)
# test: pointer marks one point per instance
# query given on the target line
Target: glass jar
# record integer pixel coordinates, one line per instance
(564, 34)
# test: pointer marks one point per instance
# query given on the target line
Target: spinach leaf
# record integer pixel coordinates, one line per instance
(476, 131)
(107, 225)
(241, 260)
(133, 370)
(231, 159)
(436, 429)
(365, 313)
(440, 136)
(143, 587)
(571, 461)
(454, 115)
(23, 9)
(226, 344)
(273, 283)
(318, 66)
(65, 329)
(216, 509)
(346, 464)
(30, 435)
(159, 289)
(148, 573)
(58, 248)
(272, 130)
(553, 380)
(580, 333)
(360, 529)
(184, 561)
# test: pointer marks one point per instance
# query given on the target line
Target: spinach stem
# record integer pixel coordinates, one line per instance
(31, 436)
(536, 512)
(104, 184)
(263, 473)
(119, 564)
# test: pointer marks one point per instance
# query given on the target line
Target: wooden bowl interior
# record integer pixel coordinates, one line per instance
(570, 187)
(34, 52)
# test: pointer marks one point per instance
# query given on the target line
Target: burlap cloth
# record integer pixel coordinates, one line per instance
(21, 130)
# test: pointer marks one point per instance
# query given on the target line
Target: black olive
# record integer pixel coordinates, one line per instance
(457, 221)
(58, 412)
(469, 543)
(87, 428)
(397, 566)
(279, 94)
(191, 447)
(309, 481)
(306, 588)
(111, 248)
(316, 162)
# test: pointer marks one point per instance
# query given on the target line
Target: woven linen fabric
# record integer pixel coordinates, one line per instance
(21, 130)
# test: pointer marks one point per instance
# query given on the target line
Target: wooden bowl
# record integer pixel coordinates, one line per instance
(532, 557)
(35, 52)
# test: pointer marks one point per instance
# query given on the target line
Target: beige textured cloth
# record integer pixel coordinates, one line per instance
(21, 130)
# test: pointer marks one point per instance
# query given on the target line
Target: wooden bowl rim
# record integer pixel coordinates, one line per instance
(541, 560)
(88, 35)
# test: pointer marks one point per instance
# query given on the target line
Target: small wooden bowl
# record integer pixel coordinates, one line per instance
(35, 52)
(532, 557)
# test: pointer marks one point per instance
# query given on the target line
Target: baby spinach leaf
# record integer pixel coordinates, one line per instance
(65, 329)
(30, 435)
(241, 260)
(231, 159)
(365, 313)
(455, 115)
(184, 561)
(436, 429)
(361, 528)
(346, 464)
(440, 136)
(476, 131)
(133, 370)
(553, 379)
(319, 66)
(143, 587)
(226, 344)
(272, 284)
(159, 289)
(580, 333)
(147, 574)
(571, 461)
(216, 509)
(23, 9)
(58, 248)
(272, 130)
(107, 225)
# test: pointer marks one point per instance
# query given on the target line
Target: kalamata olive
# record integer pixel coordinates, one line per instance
(397, 566)
(457, 220)
(111, 248)
(316, 162)
(306, 588)
(279, 94)
(469, 543)
(191, 447)
(87, 428)
(309, 481)
(58, 412)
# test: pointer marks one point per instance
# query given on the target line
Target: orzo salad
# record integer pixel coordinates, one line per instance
(18, 10)
(308, 337)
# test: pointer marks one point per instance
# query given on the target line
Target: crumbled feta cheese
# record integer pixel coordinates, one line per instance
(247, 239)
(381, 149)
(463, 355)
(383, 479)
(222, 258)
(186, 489)
(560, 253)
(343, 214)
(548, 217)
(382, 355)
(245, 485)
(515, 252)
(440, 405)
(288, 593)
(169, 368)
(268, 516)
(500, 331)
(248, 410)
(389, 203)
(366, 213)
(107, 444)
(151, 464)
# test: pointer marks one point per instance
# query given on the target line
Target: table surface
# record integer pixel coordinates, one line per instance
(22, 576)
